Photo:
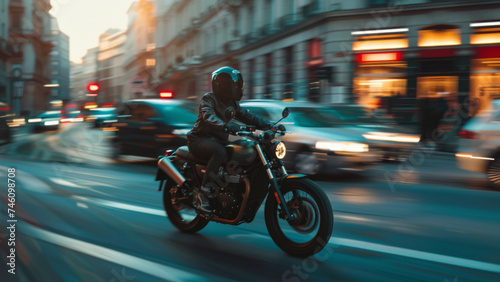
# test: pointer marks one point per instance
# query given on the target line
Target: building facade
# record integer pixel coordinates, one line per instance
(59, 64)
(29, 64)
(110, 71)
(139, 65)
(81, 75)
(360, 51)
(4, 51)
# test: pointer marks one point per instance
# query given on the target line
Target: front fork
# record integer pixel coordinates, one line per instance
(274, 183)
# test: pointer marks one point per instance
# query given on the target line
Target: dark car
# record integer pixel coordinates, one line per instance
(101, 117)
(316, 145)
(149, 127)
(5, 132)
(382, 132)
(45, 121)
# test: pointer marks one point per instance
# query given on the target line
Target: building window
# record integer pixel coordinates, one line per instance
(289, 86)
(16, 20)
(268, 73)
(380, 42)
(150, 62)
(315, 48)
(485, 36)
(485, 77)
(439, 35)
(251, 80)
(378, 76)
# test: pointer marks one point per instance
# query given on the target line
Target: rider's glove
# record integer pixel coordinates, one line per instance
(280, 127)
(232, 128)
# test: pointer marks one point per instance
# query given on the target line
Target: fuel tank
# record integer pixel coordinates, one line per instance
(242, 152)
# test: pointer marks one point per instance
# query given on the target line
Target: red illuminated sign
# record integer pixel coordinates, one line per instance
(380, 57)
(92, 87)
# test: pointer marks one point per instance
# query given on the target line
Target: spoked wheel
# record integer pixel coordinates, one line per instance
(180, 213)
(312, 228)
(493, 172)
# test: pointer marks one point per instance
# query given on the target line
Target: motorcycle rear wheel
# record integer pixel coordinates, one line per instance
(191, 223)
(313, 228)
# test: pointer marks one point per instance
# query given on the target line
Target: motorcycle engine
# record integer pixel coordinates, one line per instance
(229, 200)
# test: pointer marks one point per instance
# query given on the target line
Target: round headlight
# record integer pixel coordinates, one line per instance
(280, 150)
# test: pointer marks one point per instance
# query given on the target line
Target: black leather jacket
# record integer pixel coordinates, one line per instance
(211, 120)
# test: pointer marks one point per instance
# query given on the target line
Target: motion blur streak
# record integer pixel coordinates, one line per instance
(149, 267)
(417, 254)
(122, 206)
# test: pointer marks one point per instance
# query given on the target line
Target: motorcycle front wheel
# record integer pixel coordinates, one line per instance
(311, 230)
(182, 215)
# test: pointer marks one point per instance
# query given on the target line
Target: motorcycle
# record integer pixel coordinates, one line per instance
(298, 213)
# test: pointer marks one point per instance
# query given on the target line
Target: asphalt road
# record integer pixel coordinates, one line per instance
(84, 217)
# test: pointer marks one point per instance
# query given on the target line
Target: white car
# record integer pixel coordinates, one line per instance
(479, 145)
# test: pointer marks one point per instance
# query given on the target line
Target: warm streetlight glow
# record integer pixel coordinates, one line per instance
(392, 30)
(485, 24)
(51, 85)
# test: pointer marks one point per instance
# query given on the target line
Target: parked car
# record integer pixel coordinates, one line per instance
(72, 116)
(479, 144)
(382, 132)
(5, 131)
(45, 121)
(101, 117)
(316, 146)
(149, 127)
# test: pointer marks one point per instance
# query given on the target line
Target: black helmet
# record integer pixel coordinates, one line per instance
(228, 83)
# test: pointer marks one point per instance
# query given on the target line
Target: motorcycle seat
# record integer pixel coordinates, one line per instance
(184, 153)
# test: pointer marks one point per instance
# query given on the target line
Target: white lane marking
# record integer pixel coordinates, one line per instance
(84, 173)
(484, 266)
(82, 205)
(71, 184)
(467, 263)
(149, 267)
(65, 183)
(122, 206)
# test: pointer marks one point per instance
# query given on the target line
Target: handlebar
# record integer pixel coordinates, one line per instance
(266, 135)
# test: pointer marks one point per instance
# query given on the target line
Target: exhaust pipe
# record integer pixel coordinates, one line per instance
(168, 167)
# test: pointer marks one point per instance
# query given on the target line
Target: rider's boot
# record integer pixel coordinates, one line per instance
(202, 199)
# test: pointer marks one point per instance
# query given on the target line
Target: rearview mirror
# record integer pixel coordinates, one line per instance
(285, 113)
(229, 114)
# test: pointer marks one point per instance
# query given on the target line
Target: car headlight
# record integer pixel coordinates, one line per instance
(51, 122)
(392, 137)
(353, 147)
(35, 120)
(182, 132)
(280, 150)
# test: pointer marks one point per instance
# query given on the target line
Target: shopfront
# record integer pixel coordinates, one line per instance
(485, 65)
(379, 66)
(438, 73)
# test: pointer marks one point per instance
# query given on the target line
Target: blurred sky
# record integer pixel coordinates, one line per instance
(84, 20)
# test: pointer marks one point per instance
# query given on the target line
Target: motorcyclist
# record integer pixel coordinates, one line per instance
(210, 133)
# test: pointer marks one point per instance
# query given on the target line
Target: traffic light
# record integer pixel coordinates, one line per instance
(166, 94)
(93, 87)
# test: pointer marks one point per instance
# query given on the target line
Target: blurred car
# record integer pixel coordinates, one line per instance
(101, 117)
(479, 144)
(5, 131)
(149, 127)
(73, 116)
(382, 132)
(316, 146)
(45, 121)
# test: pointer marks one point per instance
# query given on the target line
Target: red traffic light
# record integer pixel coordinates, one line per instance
(92, 87)
(166, 94)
